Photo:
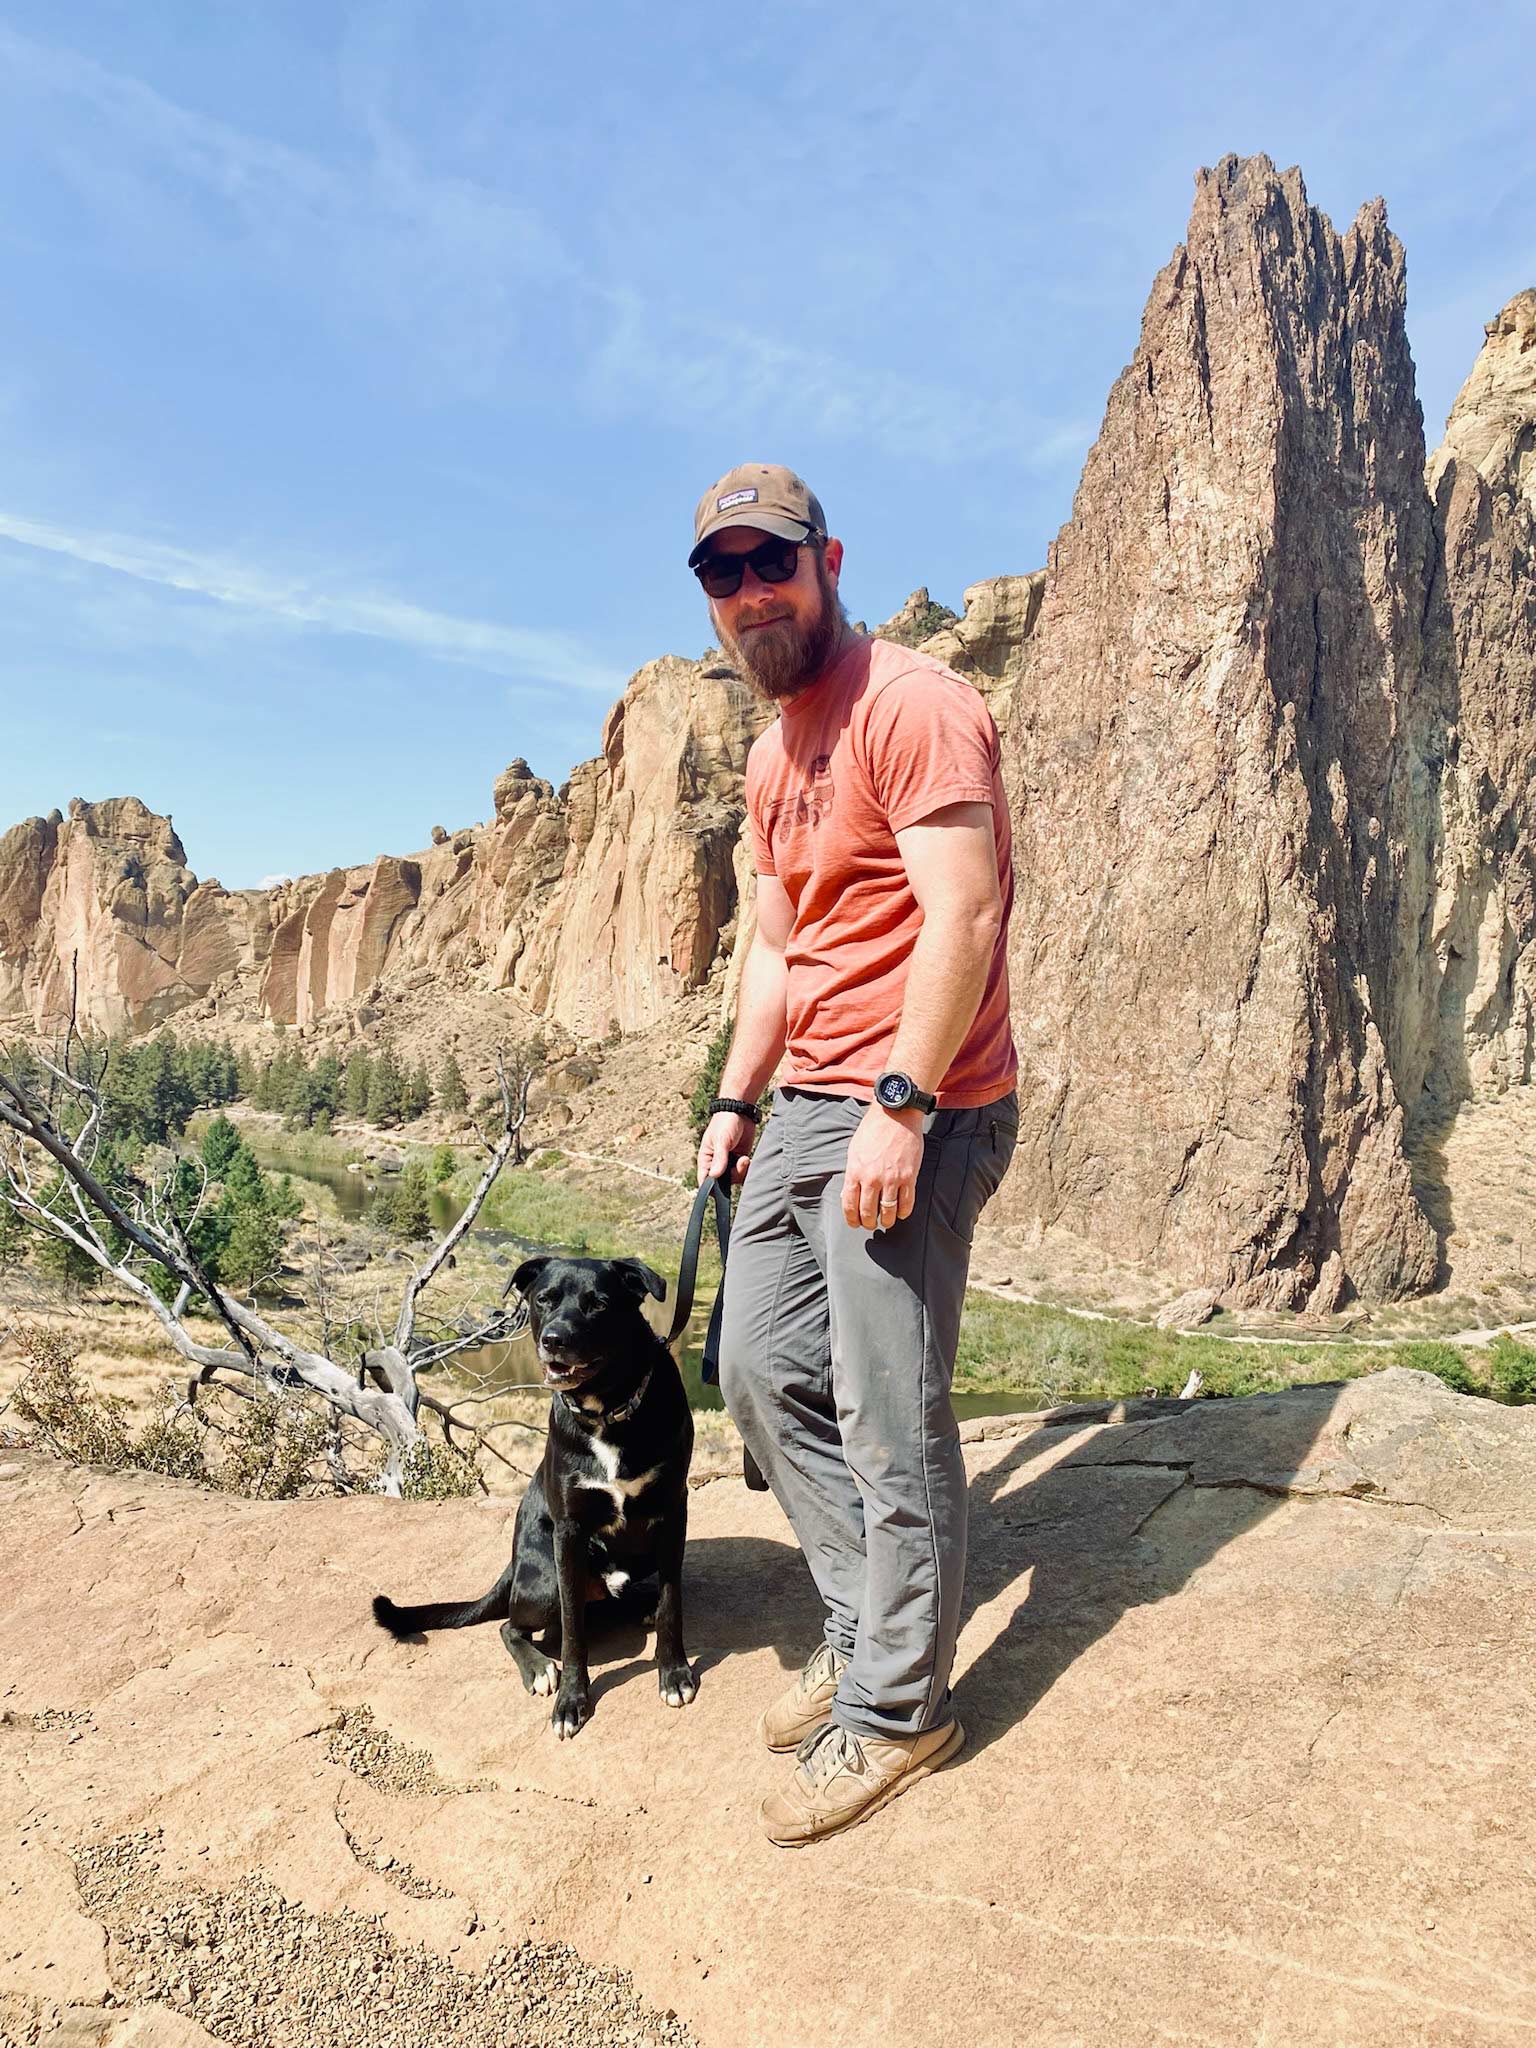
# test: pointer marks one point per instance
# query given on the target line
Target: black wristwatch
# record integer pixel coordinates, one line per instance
(717, 1103)
(900, 1091)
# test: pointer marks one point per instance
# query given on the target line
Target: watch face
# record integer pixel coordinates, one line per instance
(893, 1090)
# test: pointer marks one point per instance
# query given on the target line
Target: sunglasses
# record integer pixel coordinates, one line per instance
(772, 561)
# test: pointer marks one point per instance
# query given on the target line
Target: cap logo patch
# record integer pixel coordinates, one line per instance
(746, 497)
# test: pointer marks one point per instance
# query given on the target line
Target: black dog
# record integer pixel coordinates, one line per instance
(609, 1504)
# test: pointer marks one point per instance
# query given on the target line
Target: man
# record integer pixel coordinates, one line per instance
(885, 881)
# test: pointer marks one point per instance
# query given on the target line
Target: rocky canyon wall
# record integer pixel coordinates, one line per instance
(1483, 477)
(101, 907)
(598, 906)
(1271, 771)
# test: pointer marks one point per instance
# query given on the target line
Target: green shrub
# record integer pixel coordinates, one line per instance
(77, 1423)
(435, 1471)
(1512, 1371)
(270, 1448)
(1445, 1362)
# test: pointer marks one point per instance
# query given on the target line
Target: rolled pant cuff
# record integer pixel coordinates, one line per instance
(885, 1728)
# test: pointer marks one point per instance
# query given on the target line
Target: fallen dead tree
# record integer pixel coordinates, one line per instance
(138, 1225)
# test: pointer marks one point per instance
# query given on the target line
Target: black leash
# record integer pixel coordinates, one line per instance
(713, 1188)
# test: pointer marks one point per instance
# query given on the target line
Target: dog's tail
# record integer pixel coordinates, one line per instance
(408, 1621)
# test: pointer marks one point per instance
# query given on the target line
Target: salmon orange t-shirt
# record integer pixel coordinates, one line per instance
(880, 741)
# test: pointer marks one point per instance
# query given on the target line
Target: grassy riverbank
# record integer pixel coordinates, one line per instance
(1017, 1348)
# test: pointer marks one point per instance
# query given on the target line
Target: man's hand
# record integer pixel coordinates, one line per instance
(880, 1182)
(726, 1137)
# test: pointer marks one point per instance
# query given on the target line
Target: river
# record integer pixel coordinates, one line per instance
(495, 1366)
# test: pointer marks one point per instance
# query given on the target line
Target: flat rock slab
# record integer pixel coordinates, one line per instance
(1249, 1693)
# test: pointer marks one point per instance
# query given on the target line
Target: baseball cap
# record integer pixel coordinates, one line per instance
(760, 494)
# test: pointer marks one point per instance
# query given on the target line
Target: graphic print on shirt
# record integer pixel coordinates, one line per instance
(809, 805)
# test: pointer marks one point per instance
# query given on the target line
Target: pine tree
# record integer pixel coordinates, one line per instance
(56, 1256)
(452, 1095)
(255, 1246)
(355, 1087)
(386, 1090)
(221, 1141)
(245, 1185)
(418, 1092)
(325, 1086)
(410, 1205)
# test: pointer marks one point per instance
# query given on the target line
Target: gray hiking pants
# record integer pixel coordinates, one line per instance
(836, 1355)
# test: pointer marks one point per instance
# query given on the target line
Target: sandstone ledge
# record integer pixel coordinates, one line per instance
(1248, 1687)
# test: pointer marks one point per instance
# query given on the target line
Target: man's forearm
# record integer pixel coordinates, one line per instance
(757, 1044)
(946, 980)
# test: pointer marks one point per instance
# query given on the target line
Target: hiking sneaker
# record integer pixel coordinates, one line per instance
(842, 1778)
(806, 1704)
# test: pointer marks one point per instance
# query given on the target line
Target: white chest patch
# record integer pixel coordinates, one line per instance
(618, 1490)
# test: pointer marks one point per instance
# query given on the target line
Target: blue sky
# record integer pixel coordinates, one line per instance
(360, 366)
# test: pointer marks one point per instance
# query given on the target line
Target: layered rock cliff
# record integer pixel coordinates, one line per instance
(100, 908)
(1483, 478)
(598, 906)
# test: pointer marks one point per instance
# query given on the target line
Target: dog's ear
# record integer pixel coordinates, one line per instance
(526, 1278)
(639, 1278)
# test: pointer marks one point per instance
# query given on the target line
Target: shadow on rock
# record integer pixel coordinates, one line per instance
(747, 1593)
(1104, 1519)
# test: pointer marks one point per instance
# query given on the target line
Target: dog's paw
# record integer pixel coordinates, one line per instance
(542, 1682)
(678, 1685)
(571, 1710)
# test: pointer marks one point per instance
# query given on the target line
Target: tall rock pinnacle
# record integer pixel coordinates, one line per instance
(1223, 766)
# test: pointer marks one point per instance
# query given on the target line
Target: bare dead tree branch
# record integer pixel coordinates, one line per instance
(147, 1217)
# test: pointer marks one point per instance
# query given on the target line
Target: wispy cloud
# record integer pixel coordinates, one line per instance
(542, 655)
(456, 269)
(689, 367)
(446, 260)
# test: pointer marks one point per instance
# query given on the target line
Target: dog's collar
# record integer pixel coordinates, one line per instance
(620, 1414)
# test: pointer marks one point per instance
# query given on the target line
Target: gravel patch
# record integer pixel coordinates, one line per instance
(260, 1972)
(372, 1754)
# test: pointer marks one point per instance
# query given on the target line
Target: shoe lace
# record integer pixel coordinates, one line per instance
(827, 1750)
(822, 1668)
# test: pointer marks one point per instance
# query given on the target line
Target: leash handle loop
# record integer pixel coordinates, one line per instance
(713, 1188)
(717, 1189)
